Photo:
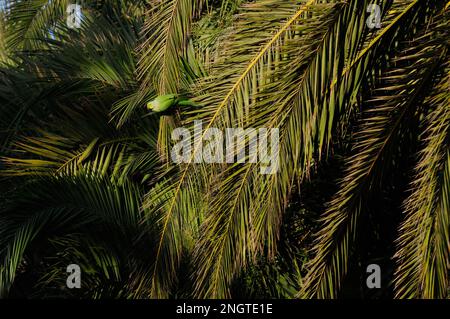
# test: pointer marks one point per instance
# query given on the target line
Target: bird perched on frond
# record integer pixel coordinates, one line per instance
(164, 102)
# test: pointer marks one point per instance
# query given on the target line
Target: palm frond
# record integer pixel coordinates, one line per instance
(165, 36)
(27, 21)
(390, 111)
(69, 209)
(423, 243)
(188, 181)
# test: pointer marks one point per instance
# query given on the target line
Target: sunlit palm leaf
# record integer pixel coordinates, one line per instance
(392, 108)
(423, 243)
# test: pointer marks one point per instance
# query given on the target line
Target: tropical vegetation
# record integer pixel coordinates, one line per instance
(86, 176)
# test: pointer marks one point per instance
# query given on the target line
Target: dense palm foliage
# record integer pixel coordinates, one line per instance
(86, 176)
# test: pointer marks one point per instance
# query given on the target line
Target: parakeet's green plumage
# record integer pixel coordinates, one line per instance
(164, 102)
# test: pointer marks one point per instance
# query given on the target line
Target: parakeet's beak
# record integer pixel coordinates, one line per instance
(150, 106)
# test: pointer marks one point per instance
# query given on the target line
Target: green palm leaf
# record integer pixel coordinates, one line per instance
(423, 254)
(392, 107)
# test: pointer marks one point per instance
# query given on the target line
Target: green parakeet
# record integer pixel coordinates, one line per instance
(164, 102)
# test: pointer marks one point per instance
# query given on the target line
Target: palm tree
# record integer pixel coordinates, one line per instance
(364, 148)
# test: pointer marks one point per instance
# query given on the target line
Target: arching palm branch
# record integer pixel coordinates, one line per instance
(88, 172)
